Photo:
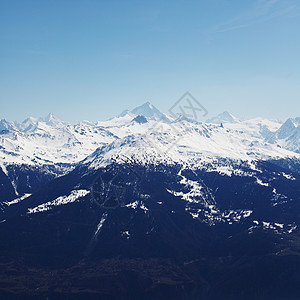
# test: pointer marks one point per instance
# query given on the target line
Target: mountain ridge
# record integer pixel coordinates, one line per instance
(150, 208)
(46, 143)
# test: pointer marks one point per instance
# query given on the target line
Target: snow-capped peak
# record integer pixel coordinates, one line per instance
(28, 124)
(183, 142)
(224, 117)
(287, 128)
(52, 120)
(288, 135)
(30, 120)
(4, 125)
(149, 111)
(51, 140)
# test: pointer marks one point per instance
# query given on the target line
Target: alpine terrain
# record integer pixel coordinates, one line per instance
(148, 205)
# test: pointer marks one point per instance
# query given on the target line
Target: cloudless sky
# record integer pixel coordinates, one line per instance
(91, 59)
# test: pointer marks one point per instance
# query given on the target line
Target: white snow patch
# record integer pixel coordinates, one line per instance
(279, 225)
(288, 176)
(100, 224)
(125, 234)
(133, 205)
(17, 200)
(261, 183)
(236, 215)
(144, 208)
(292, 229)
(75, 195)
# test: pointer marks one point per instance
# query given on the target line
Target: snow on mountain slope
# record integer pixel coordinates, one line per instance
(59, 201)
(31, 124)
(189, 172)
(118, 121)
(257, 127)
(293, 141)
(184, 190)
(39, 150)
(51, 140)
(287, 136)
(28, 124)
(286, 129)
(185, 143)
(54, 142)
(4, 126)
(146, 110)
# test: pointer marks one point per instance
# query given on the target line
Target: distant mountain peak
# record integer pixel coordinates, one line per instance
(224, 117)
(54, 121)
(149, 111)
(145, 106)
(51, 119)
(5, 125)
(32, 123)
(146, 110)
(30, 120)
(287, 128)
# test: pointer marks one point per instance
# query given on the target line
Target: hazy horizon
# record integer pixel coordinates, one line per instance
(129, 109)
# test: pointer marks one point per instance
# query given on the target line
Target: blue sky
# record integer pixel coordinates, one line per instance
(92, 59)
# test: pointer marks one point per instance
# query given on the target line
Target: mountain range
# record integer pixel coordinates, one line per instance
(145, 205)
